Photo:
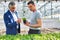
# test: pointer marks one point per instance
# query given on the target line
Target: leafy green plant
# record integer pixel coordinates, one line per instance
(24, 20)
(50, 36)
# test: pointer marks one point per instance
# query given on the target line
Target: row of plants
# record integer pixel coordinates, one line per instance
(50, 36)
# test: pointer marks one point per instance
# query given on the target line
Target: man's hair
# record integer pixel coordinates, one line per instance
(30, 2)
(11, 4)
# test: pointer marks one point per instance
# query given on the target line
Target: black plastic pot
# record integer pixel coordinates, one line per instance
(24, 21)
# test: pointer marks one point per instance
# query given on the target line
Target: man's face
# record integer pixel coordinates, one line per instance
(31, 7)
(12, 8)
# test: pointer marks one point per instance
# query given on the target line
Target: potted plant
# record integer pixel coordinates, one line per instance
(24, 20)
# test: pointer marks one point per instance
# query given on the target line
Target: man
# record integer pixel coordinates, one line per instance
(36, 21)
(11, 20)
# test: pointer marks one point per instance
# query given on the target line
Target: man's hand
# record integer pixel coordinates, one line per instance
(27, 23)
(37, 25)
(19, 20)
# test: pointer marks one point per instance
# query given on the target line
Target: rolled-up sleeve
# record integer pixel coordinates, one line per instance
(38, 15)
